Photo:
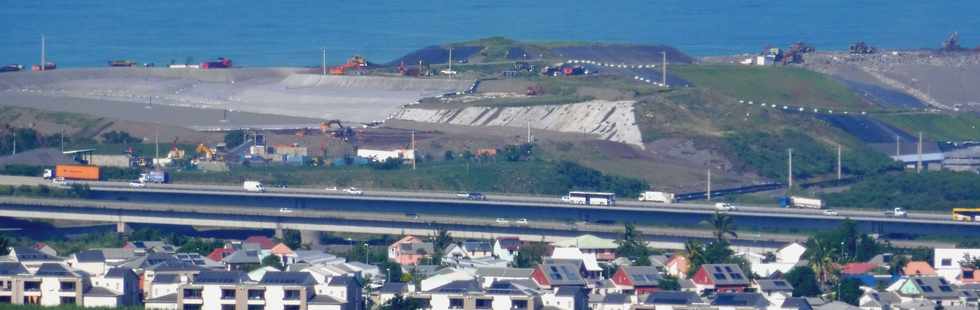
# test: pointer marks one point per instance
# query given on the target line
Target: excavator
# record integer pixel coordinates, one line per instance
(342, 132)
(205, 152)
(355, 62)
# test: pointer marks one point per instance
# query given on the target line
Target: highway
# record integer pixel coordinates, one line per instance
(535, 208)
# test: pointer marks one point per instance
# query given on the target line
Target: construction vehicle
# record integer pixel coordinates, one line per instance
(121, 63)
(355, 62)
(861, 48)
(535, 90)
(155, 176)
(175, 152)
(47, 66)
(796, 51)
(220, 63)
(346, 133)
(205, 152)
(952, 43)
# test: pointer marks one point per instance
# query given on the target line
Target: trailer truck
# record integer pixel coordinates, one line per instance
(155, 176)
(800, 202)
(662, 197)
(73, 172)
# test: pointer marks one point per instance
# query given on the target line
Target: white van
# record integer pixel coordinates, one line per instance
(253, 186)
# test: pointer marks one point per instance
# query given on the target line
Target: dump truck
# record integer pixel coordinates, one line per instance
(73, 172)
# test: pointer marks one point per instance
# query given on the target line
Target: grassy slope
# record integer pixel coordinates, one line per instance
(942, 127)
(777, 85)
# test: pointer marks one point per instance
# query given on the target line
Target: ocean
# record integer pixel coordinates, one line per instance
(292, 32)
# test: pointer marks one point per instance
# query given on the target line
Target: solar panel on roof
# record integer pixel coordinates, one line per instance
(720, 276)
(945, 288)
(717, 269)
(780, 283)
(927, 289)
(728, 269)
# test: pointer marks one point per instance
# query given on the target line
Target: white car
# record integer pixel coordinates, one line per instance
(722, 206)
(331, 189)
(354, 191)
(521, 221)
(137, 184)
(501, 220)
(285, 210)
(830, 212)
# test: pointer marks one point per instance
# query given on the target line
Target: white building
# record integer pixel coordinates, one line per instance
(382, 155)
(947, 262)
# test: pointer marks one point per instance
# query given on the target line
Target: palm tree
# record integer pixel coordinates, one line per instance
(821, 254)
(695, 255)
(724, 225)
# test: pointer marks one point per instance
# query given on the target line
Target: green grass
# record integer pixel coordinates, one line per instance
(777, 85)
(943, 127)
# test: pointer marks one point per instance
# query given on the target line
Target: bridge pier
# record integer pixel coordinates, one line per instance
(310, 238)
(280, 233)
(122, 228)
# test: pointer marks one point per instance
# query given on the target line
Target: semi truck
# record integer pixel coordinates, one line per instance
(73, 172)
(653, 196)
(800, 202)
(155, 176)
(253, 186)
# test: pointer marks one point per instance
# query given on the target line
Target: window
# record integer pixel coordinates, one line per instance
(947, 262)
(227, 307)
(518, 304)
(290, 307)
(192, 293)
(67, 286)
(256, 294)
(256, 307)
(291, 295)
(67, 300)
(227, 293)
(455, 303)
(484, 303)
(32, 286)
(192, 307)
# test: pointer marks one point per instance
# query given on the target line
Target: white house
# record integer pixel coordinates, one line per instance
(947, 262)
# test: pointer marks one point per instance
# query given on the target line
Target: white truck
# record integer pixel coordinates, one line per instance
(724, 206)
(800, 202)
(897, 212)
(653, 196)
(253, 186)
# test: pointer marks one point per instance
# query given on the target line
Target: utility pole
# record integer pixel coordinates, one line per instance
(450, 62)
(323, 61)
(62, 139)
(414, 156)
(898, 146)
(156, 142)
(839, 175)
(15, 146)
(789, 176)
(43, 54)
(663, 69)
(529, 138)
(918, 163)
(708, 192)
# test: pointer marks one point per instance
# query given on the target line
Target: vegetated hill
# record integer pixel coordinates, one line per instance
(937, 190)
(500, 49)
(936, 126)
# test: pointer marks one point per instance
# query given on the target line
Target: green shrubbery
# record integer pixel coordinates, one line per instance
(940, 190)
(767, 154)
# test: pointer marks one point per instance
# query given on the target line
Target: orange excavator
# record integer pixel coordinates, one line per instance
(355, 62)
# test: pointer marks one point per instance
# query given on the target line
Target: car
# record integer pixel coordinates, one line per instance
(723, 206)
(521, 221)
(331, 189)
(353, 191)
(475, 196)
(412, 215)
(830, 212)
(501, 220)
(285, 210)
(463, 195)
(137, 184)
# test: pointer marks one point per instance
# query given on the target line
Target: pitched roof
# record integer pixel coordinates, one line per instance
(796, 303)
(512, 287)
(503, 272)
(90, 256)
(458, 287)
(416, 248)
(642, 275)
(588, 242)
(220, 253)
(672, 298)
(589, 260)
(341, 281)
(561, 274)
(220, 277)
(569, 291)
(858, 268)
(755, 300)
(119, 273)
(165, 299)
(53, 270)
(96, 291)
(166, 279)
(477, 246)
(725, 274)
(918, 268)
(323, 299)
(616, 299)
(243, 257)
(934, 288)
(394, 288)
(774, 285)
(28, 254)
(282, 249)
(264, 242)
(287, 278)
(509, 243)
(12, 269)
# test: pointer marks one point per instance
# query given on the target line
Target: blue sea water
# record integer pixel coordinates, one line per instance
(291, 32)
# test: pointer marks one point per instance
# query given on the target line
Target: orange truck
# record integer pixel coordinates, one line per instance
(73, 172)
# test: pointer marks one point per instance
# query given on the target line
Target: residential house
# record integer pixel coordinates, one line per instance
(116, 256)
(91, 262)
(566, 298)
(670, 300)
(556, 275)
(604, 249)
(721, 278)
(51, 284)
(31, 258)
(285, 254)
(588, 260)
(514, 294)
(165, 284)
(243, 260)
(868, 273)
(774, 290)
(872, 299)
(786, 258)
(340, 293)
(637, 280)
(613, 302)
(739, 301)
(391, 289)
(144, 247)
(933, 289)
(263, 242)
(489, 275)
(947, 262)
(460, 294)
(219, 254)
(795, 303)
(409, 250)
(506, 247)
(118, 287)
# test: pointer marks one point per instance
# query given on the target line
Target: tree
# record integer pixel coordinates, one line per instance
(234, 138)
(804, 281)
(442, 239)
(632, 245)
(200, 246)
(392, 270)
(449, 155)
(119, 137)
(292, 239)
(273, 261)
(821, 255)
(390, 163)
(669, 283)
(530, 255)
(399, 302)
(849, 291)
(724, 225)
